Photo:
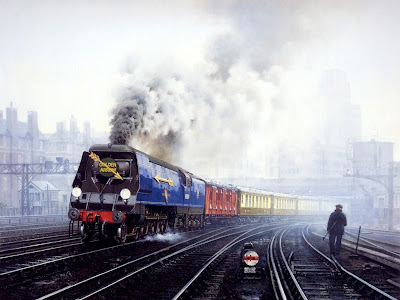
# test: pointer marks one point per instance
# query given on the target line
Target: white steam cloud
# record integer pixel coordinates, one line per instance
(198, 124)
(167, 237)
(242, 102)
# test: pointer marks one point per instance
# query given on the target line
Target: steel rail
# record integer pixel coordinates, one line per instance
(383, 255)
(197, 244)
(271, 271)
(22, 249)
(387, 251)
(4, 245)
(69, 289)
(299, 289)
(216, 255)
(31, 227)
(319, 252)
(282, 294)
(371, 241)
(338, 265)
(380, 292)
(379, 231)
(41, 250)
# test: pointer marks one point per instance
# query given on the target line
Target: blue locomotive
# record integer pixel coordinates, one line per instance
(119, 192)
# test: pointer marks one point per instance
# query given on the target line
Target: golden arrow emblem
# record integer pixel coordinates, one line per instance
(95, 157)
(169, 180)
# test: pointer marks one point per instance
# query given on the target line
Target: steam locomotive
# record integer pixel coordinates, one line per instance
(121, 192)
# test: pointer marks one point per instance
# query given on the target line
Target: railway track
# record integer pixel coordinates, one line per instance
(47, 274)
(389, 243)
(26, 232)
(361, 273)
(159, 274)
(32, 241)
(196, 265)
(208, 281)
(48, 248)
(26, 221)
(378, 250)
(298, 273)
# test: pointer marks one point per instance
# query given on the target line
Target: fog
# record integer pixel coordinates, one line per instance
(257, 87)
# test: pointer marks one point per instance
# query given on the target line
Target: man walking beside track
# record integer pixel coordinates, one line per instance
(336, 223)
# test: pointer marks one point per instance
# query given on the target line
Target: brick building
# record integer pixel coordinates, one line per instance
(24, 143)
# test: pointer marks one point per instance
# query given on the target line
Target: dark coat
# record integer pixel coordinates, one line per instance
(336, 223)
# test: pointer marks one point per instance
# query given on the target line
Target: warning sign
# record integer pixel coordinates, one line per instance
(251, 258)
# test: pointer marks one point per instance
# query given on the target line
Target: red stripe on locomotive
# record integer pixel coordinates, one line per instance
(85, 215)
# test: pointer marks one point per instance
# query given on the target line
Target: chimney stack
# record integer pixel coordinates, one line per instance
(33, 128)
(12, 124)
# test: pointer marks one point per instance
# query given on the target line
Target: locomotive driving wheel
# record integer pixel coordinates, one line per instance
(146, 228)
(86, 234)
(163, 227)
(157, 227)
(153, 228)
(136, 233)
(122, 232)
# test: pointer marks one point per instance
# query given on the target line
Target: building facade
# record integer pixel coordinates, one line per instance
(376, 184)
(23, 143)
(338, 126)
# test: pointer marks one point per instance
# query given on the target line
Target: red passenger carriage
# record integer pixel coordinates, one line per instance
(221, 201)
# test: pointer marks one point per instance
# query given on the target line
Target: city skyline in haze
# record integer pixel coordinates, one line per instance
(261, 62)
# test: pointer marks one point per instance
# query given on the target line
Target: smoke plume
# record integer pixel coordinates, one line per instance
(145, 117)
(241, 103)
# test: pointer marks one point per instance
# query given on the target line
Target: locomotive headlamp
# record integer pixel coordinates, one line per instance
(125, 194)
(76, 192)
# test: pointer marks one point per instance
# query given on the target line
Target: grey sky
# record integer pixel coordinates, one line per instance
(69, 57)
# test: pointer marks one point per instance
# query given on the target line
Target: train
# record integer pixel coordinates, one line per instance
(120, 192)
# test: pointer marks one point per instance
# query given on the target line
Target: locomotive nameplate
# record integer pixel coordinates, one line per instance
(104, 166)
(108, 168)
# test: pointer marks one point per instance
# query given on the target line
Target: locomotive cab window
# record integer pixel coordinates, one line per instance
(186, 179)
